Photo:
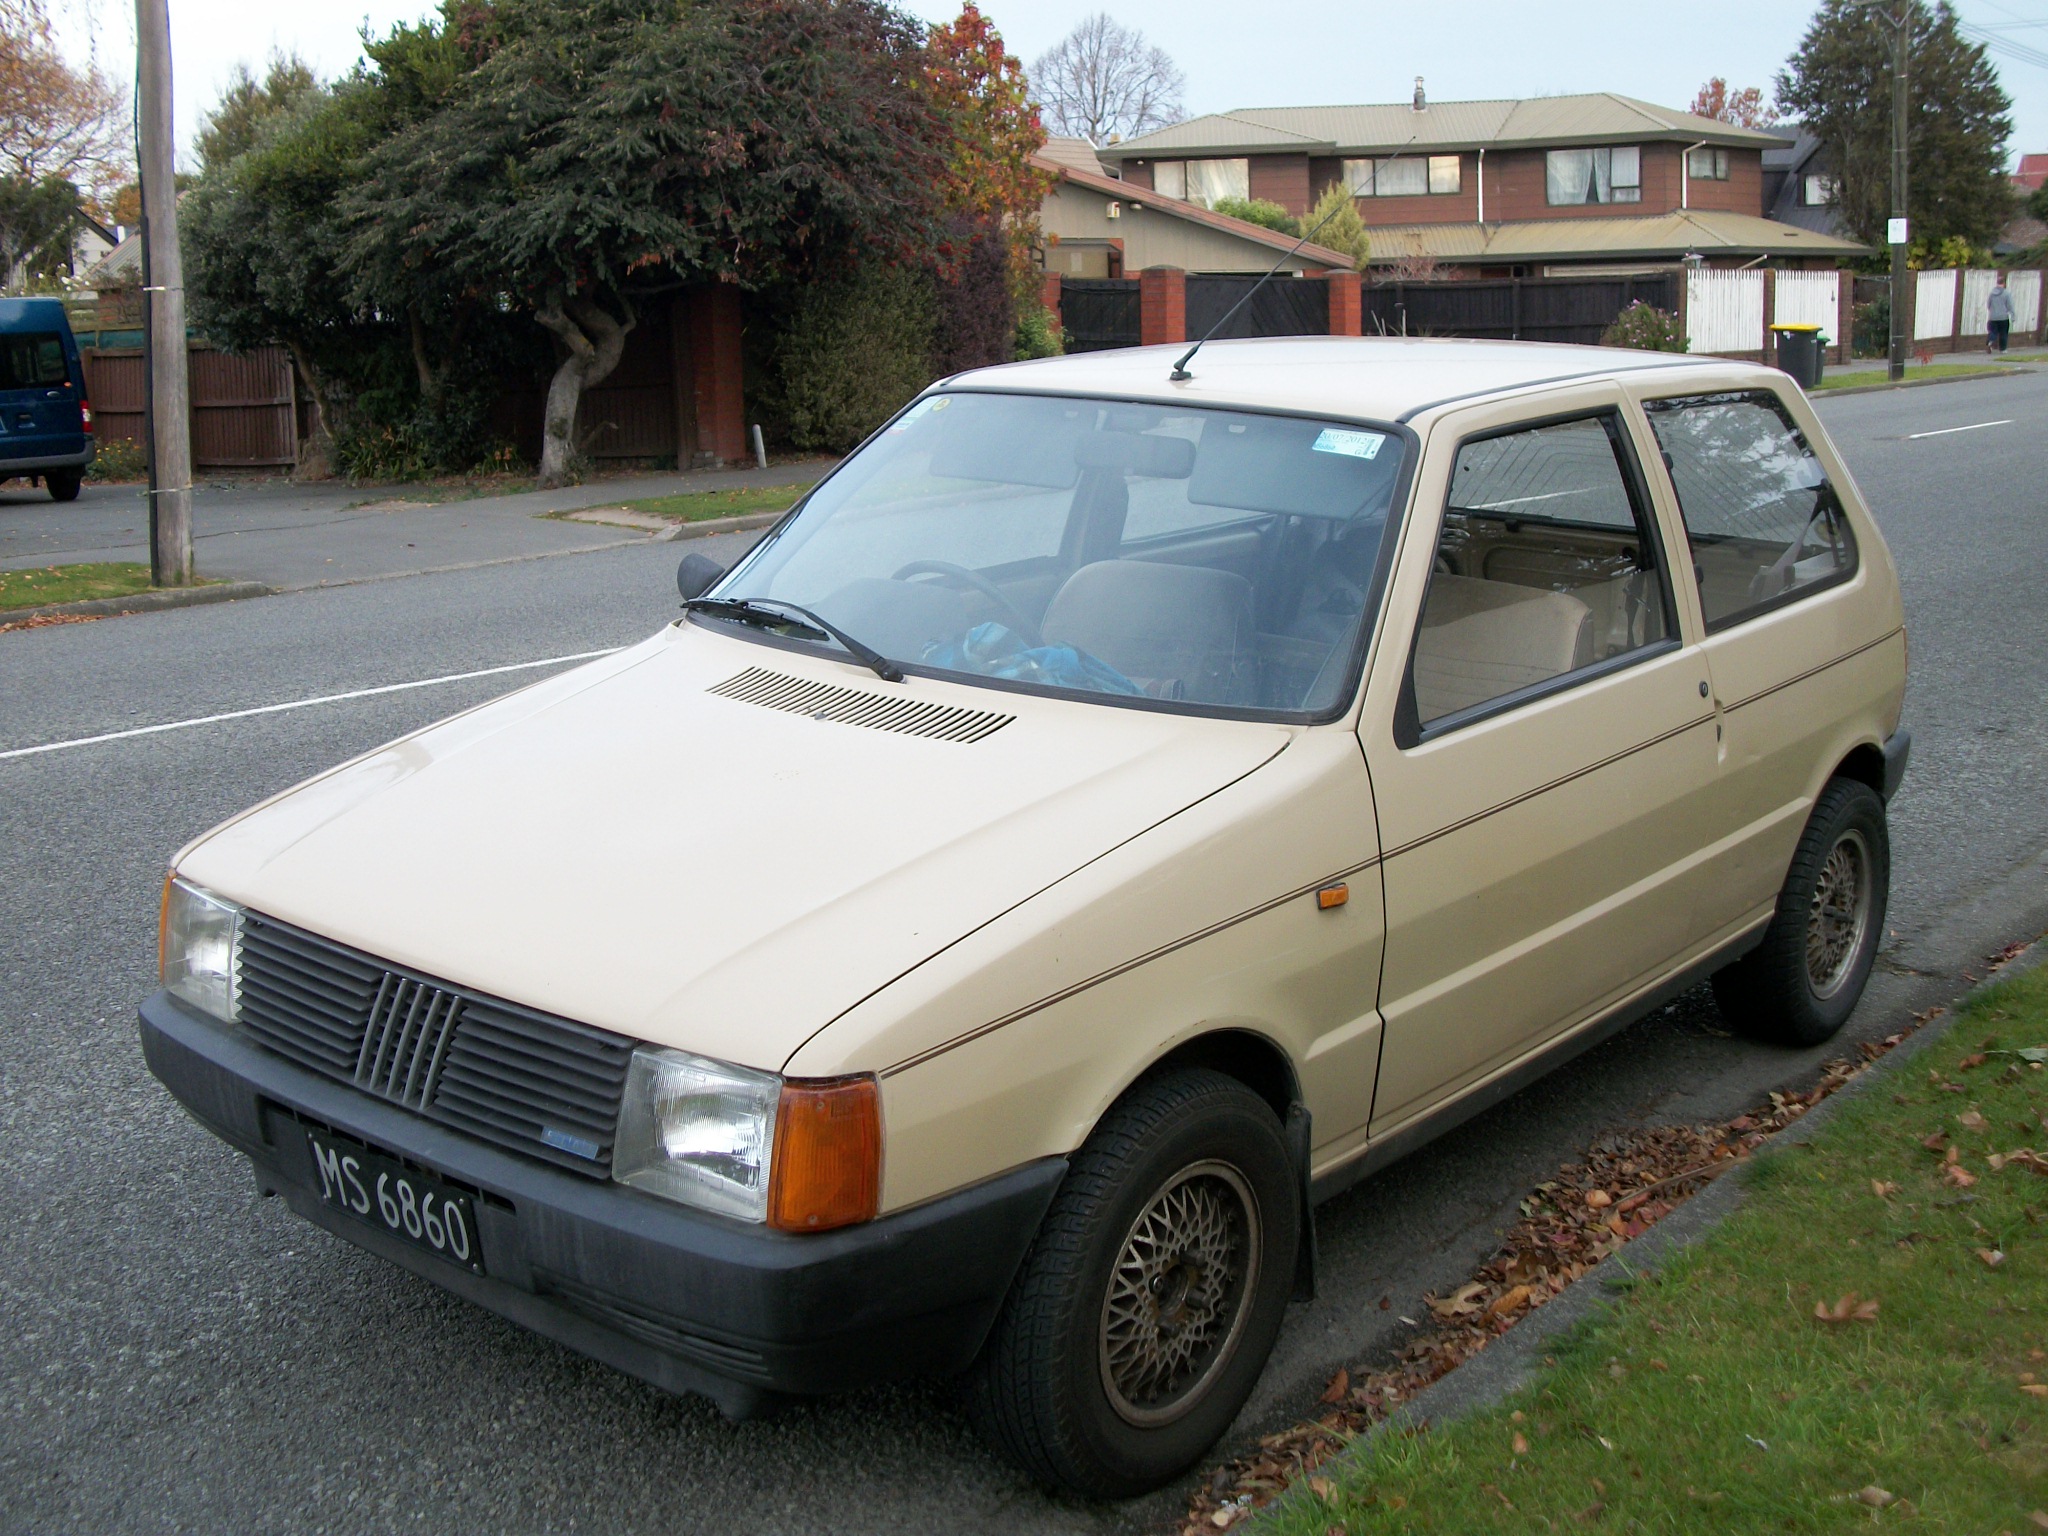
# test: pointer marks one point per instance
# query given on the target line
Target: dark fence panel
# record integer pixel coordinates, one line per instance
(243, 412)
(1099, 312)
(1563, 309)
(1286, 306)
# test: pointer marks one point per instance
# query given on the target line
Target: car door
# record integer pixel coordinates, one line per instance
(1539, 737)
(1797, 644)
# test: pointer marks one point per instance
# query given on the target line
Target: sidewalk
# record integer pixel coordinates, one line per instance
(290, 536)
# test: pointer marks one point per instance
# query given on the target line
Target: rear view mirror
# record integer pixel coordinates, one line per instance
(696, 574)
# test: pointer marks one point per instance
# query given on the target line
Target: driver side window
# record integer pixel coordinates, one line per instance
(1764, 523)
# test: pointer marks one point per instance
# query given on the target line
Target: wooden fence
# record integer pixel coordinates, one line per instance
(244, 407)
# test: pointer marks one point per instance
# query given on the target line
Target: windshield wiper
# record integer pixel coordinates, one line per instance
(773, 610)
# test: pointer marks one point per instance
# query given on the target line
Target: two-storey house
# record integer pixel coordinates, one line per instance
(1556, 186)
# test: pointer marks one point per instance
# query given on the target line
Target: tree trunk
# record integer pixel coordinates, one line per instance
(316, 450)
(429, 375)
(591, 342)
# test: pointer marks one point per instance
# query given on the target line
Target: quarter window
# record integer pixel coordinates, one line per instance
(1609, 174)
(1707, 164)
(1546, 567)
(1764, 523)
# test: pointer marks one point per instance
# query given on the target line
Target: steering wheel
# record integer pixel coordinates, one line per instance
(1005, 609)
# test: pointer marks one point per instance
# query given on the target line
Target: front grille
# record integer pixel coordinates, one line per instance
(508, 1075)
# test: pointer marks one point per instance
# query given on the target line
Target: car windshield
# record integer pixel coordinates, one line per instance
(1205, 558)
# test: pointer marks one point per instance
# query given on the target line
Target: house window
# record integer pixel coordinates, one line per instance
(1402, 176)
(1603, 175)
(1707, 164)
(1202, 181)
(1817, 191)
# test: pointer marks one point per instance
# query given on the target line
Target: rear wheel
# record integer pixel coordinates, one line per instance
(1151, 1297)
(1802, 982)
(63, 484)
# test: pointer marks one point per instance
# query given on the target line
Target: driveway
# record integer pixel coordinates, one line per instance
(182, 1355)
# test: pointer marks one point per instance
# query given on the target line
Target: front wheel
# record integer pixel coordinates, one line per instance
(1152, 1294)
(1802, 982)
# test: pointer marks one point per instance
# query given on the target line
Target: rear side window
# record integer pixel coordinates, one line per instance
(1546, 567)
(1766, 526)
(32, 360)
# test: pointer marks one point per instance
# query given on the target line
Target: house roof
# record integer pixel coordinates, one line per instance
(1194, 213)
(1546, 121)
(119, 268)
(1667, 235)
(1078, 154)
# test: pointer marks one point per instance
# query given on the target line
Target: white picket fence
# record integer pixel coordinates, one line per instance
(1809, 298)
(1934, 305)
(2025, 288)
(1724, 311)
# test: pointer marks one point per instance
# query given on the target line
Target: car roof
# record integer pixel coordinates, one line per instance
(32, 315)
(1377, 378)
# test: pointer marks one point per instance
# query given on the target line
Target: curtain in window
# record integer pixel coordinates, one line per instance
(1625, 183)
(1401, 177)
(1443, 173)
(1358, 177)
(1568, 176)
(1210, 180)
(1170, 177)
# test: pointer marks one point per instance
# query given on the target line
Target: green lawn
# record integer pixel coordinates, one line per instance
(1712, 1398)
(699, 506)
(70, 584)
(1846, 380)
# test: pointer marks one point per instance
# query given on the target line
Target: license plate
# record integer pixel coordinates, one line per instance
(412, 1206)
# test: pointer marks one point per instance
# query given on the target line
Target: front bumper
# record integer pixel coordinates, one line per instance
(686, 1300)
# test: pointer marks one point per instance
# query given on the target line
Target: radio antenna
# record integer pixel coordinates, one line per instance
(1180, 367)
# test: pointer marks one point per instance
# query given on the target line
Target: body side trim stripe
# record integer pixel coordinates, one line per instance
(1812, 672)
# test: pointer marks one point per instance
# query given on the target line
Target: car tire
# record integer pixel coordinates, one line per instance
(1801, 983)
(1179, 1218)
(63, 484)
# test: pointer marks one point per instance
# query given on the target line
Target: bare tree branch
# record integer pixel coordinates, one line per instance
(1103, 78)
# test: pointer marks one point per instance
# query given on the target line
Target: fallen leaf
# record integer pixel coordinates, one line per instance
(1322, 1488)
(1955, 1155)
(1656, 1365)
(1971, 1120)
(1759, 1444)
(1992, 1257)
(1589, 1514)
(1847, 1309)
(1605, 1443)
(1973, 1060)
(2039, 1518)
(1884, 1189)
(1509, 1302)
(1874, 1496)
(1957, 1177)
(1460, 1303)
(2035, 1388)
(1339, 1387)
(1520, 1444)
(1226, 1517)
(1599, 1199)
(1935, 1142)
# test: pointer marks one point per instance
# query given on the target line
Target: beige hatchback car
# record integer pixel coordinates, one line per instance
(1108, 815)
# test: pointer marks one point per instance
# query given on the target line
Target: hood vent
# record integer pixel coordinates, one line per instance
(861, 706)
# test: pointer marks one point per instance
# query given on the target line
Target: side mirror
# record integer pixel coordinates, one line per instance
(696, 574)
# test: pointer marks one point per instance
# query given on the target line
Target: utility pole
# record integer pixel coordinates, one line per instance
(167, 418)
(1902, 25)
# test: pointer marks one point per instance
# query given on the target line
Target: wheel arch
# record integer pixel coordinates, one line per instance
(1252, 1058)
(1865, 764)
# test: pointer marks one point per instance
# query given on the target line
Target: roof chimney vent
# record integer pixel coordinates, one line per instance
(1421, 102)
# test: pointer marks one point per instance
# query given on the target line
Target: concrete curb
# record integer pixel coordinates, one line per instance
(144, 602)
(1834, 393)
(716, 525)
(1513, 1360)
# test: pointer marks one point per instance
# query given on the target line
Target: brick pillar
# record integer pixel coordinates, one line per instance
(1162, 306)
(715, 374)
(1347, 305)
(1049, 296)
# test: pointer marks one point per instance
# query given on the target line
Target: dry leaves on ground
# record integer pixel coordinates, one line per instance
(1627, 1182)
(45, 620)
(1847, 1309)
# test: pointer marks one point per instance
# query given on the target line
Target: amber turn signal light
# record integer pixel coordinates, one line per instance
(163, 922)
(1334, 895)
(827, 1170)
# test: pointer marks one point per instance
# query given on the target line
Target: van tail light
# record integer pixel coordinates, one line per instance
(85, 415)
(827, 1170)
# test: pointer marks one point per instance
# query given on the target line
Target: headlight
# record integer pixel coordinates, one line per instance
(697, 1131)
(805, 1156)
(199, 956)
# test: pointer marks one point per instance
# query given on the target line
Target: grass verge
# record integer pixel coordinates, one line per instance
(1864, 1341)
(70, 584)
(701, 506)
(1869, 376)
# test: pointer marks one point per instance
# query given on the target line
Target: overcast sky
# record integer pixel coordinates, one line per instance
(1271, 53)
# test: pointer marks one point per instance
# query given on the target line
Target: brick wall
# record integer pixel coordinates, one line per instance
(1162, 306)
(1281, 179)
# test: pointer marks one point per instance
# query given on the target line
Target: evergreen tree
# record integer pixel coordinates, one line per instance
(1839, 84)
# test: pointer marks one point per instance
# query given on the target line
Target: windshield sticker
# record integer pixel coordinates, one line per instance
(1357, 445)
(910, 417)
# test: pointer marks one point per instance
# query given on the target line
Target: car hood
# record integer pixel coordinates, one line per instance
(622, 845)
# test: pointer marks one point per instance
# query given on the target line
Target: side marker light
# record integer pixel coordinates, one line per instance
(1333, 896)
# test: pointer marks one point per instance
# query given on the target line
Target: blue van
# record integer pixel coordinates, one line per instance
(45, 418)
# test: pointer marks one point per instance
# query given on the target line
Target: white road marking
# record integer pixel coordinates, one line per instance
(325, 698)
(1975, 426)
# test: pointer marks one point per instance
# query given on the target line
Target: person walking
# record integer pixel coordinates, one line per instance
(1999, 308)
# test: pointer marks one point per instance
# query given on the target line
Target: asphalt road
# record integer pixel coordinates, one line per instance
(179, 1354)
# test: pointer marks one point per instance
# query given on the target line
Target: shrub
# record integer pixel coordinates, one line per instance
(1345, 230)
(1256, 210)
(1870, 331)
(852, 352)
(118, 458)
(1037, 336)
(1645, 328)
